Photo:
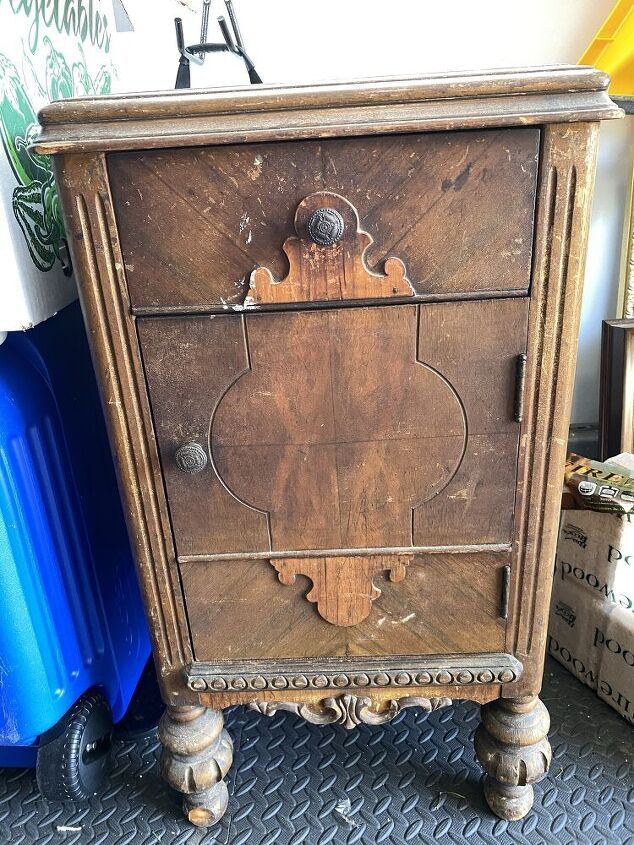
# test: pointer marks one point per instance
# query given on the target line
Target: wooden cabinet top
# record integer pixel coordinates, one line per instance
(515, 97)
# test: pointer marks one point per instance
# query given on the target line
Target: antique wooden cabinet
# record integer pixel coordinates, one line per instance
(335, 332)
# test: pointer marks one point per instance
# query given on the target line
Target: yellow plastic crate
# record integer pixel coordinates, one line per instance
(612, 49)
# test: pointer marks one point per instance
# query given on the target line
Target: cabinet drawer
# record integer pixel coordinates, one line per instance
(239, 610)
(455, 208)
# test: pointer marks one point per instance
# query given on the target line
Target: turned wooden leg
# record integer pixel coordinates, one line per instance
(197, 754)
(512, 746)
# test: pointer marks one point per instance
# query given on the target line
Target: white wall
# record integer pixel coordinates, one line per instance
(293, 41)
(616, 158)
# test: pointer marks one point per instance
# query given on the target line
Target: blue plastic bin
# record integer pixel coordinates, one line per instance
(71, 618)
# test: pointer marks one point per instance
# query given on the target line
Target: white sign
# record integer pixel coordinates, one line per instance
(49, 50)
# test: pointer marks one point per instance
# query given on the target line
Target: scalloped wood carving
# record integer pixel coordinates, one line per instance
(343, 587)
(328, 273)
(349, 711)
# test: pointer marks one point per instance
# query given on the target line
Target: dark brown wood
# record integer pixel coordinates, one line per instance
(616, 406)
(336, 503)
(446, 675)
(359, 462)
(512, 746)
(196, 755)
(480, 693)
(343, 587)
(447, 101)
(94, 244)
(236, 206)
(350, 711)
(566, 178)
(414, 616)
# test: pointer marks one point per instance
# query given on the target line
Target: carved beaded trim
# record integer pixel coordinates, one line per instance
(340, 680)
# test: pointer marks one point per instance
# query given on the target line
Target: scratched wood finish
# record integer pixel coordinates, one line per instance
(414, 616)
(236, 206)
(162, 232)
(346, 468)
(565, 191)
(88, 216)
(447, 101)
(360, 461)
(480, 694)
(330, 272)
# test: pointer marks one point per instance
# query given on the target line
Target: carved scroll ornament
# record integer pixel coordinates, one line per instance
(326, 259)
(343, 588)
(350, 710)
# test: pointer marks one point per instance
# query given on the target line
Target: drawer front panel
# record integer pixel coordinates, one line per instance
(456, 208)
(239, 610)
(338, 429)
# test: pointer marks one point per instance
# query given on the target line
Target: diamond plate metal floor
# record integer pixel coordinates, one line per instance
(414, 780)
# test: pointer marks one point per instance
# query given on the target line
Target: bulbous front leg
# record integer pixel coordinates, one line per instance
(197, 753)
(512, 746)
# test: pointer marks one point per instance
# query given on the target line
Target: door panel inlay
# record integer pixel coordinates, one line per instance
(317, 437)
(335, 454)
(343, 588)
(327, 259)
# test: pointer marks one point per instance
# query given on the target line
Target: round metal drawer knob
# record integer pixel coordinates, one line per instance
(191, 457)
(325, 226)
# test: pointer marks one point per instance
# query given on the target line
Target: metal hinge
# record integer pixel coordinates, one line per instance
(506, 590)
(520, 380)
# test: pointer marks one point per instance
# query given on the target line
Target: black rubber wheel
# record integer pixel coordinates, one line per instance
(72, 759)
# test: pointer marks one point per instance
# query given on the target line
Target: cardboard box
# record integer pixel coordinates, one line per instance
(591, 630)
(48, 51)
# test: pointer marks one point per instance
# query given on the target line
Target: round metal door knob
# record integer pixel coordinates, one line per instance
(191, 457)
(325, 226)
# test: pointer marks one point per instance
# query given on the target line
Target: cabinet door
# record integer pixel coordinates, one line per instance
(355, 481)
(343, 429)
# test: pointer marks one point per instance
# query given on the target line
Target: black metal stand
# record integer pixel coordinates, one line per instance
(196, 52)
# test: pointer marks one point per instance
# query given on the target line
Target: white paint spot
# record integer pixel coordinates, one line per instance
(407, 618)
(255, 171)
(344, 809)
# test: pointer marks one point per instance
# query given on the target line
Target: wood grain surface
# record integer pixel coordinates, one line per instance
(343, 586)
(240, 610)
(447, 101)
(457, 209)
(566, 181)
(173, 224)
(336, 509)
(311, 447)
(328, 272)
(89, 220)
